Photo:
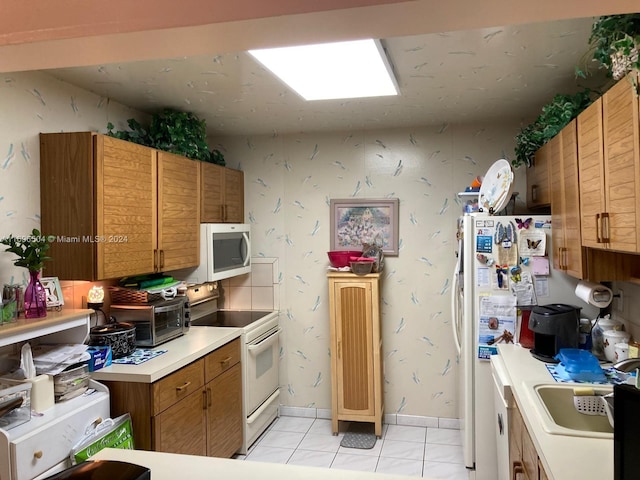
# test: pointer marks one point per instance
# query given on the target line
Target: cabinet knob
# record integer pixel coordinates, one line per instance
(37, 454)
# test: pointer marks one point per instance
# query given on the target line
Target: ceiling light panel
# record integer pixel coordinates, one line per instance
(332, 70)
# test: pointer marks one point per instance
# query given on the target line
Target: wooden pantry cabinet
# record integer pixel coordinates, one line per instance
(356, 349)
(116, 208)
(609, 164)
(222, 199)
(196, 410)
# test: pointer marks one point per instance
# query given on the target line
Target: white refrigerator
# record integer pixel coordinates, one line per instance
(502, 265)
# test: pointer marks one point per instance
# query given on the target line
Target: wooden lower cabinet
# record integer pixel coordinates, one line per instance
(523, 457)
(196, 410)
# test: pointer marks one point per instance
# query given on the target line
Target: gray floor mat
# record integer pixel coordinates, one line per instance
(359, 435)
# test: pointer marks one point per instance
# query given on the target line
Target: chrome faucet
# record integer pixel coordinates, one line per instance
(627, 365)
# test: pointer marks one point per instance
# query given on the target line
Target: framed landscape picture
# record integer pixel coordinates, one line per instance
(358, 221)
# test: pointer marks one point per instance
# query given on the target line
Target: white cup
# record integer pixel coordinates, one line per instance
(621, 351)
(611, 338)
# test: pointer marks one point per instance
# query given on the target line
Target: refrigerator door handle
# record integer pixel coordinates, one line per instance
(455, 312)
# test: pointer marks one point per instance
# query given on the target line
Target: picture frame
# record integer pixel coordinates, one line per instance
(55, 299)
(357, 221)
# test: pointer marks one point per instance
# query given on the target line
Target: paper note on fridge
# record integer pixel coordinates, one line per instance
(540, 266)
(497, 323)
(532, 243)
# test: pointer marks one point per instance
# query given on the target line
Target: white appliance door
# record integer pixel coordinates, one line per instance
(467, 350)
(262, 370)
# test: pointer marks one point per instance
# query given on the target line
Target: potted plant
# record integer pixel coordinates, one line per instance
(31, 251)
(615, 41)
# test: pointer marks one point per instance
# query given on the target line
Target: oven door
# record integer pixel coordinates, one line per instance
(262, 369)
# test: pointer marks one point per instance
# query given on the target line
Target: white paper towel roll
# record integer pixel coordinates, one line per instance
(594, 294)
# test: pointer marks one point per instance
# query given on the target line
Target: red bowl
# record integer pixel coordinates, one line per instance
(341, 258)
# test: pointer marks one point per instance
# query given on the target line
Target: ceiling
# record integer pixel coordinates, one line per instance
(490, 74)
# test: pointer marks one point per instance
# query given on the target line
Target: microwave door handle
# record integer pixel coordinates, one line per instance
(245, 249)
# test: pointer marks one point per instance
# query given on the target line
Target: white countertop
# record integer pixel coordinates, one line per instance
(169, 466)
(563, 457)
(196, 343)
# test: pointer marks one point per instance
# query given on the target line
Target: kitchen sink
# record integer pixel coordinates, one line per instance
(555, 406)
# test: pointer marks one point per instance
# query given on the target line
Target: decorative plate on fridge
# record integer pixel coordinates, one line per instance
(496, 187)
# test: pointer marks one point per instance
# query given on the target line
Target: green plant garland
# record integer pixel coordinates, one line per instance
(172, 131)
(554, 117)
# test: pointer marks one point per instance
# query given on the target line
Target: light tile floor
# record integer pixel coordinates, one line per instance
(406, 450)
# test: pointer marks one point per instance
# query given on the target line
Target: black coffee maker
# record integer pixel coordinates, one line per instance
(554, 326)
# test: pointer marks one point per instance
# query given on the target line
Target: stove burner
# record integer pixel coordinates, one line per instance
(230, 318)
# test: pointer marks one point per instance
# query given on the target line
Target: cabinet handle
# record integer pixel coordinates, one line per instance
(565, 258)
(204, 399)
(155, 259)
(605, 227)
(598, 239)
(37, 454)
(517, 469)
(161, 259)
(183, 387)
(534, 193)
(560, 259)
(208, 397)
(225, 362)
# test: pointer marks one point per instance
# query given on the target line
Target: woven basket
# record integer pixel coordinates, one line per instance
(128, 295)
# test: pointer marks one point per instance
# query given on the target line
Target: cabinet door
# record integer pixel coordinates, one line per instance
(224, 413)
(178, 212)
(233, 195)
(591, 173)
(562, 154)
(66, 203)
(622, 166)
(182, 427)
(573, 257)
(212, 196)
(354, 347)
(558, 207)
(222, 198)
(538, 192)
(126, 218)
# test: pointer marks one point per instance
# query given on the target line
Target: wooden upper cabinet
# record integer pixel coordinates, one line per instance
(115, 208)
(538, 192)
(608, 149)
(222, 197)
(178, 212)
(568, 254)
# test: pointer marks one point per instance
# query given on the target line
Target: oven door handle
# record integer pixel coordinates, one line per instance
(264, 344)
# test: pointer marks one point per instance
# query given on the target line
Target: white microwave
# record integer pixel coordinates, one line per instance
(225, 251)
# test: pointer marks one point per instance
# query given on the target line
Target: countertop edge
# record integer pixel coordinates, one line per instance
(196, 343)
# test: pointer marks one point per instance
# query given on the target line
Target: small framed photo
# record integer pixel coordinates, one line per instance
(54, 292)
(358, 221)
